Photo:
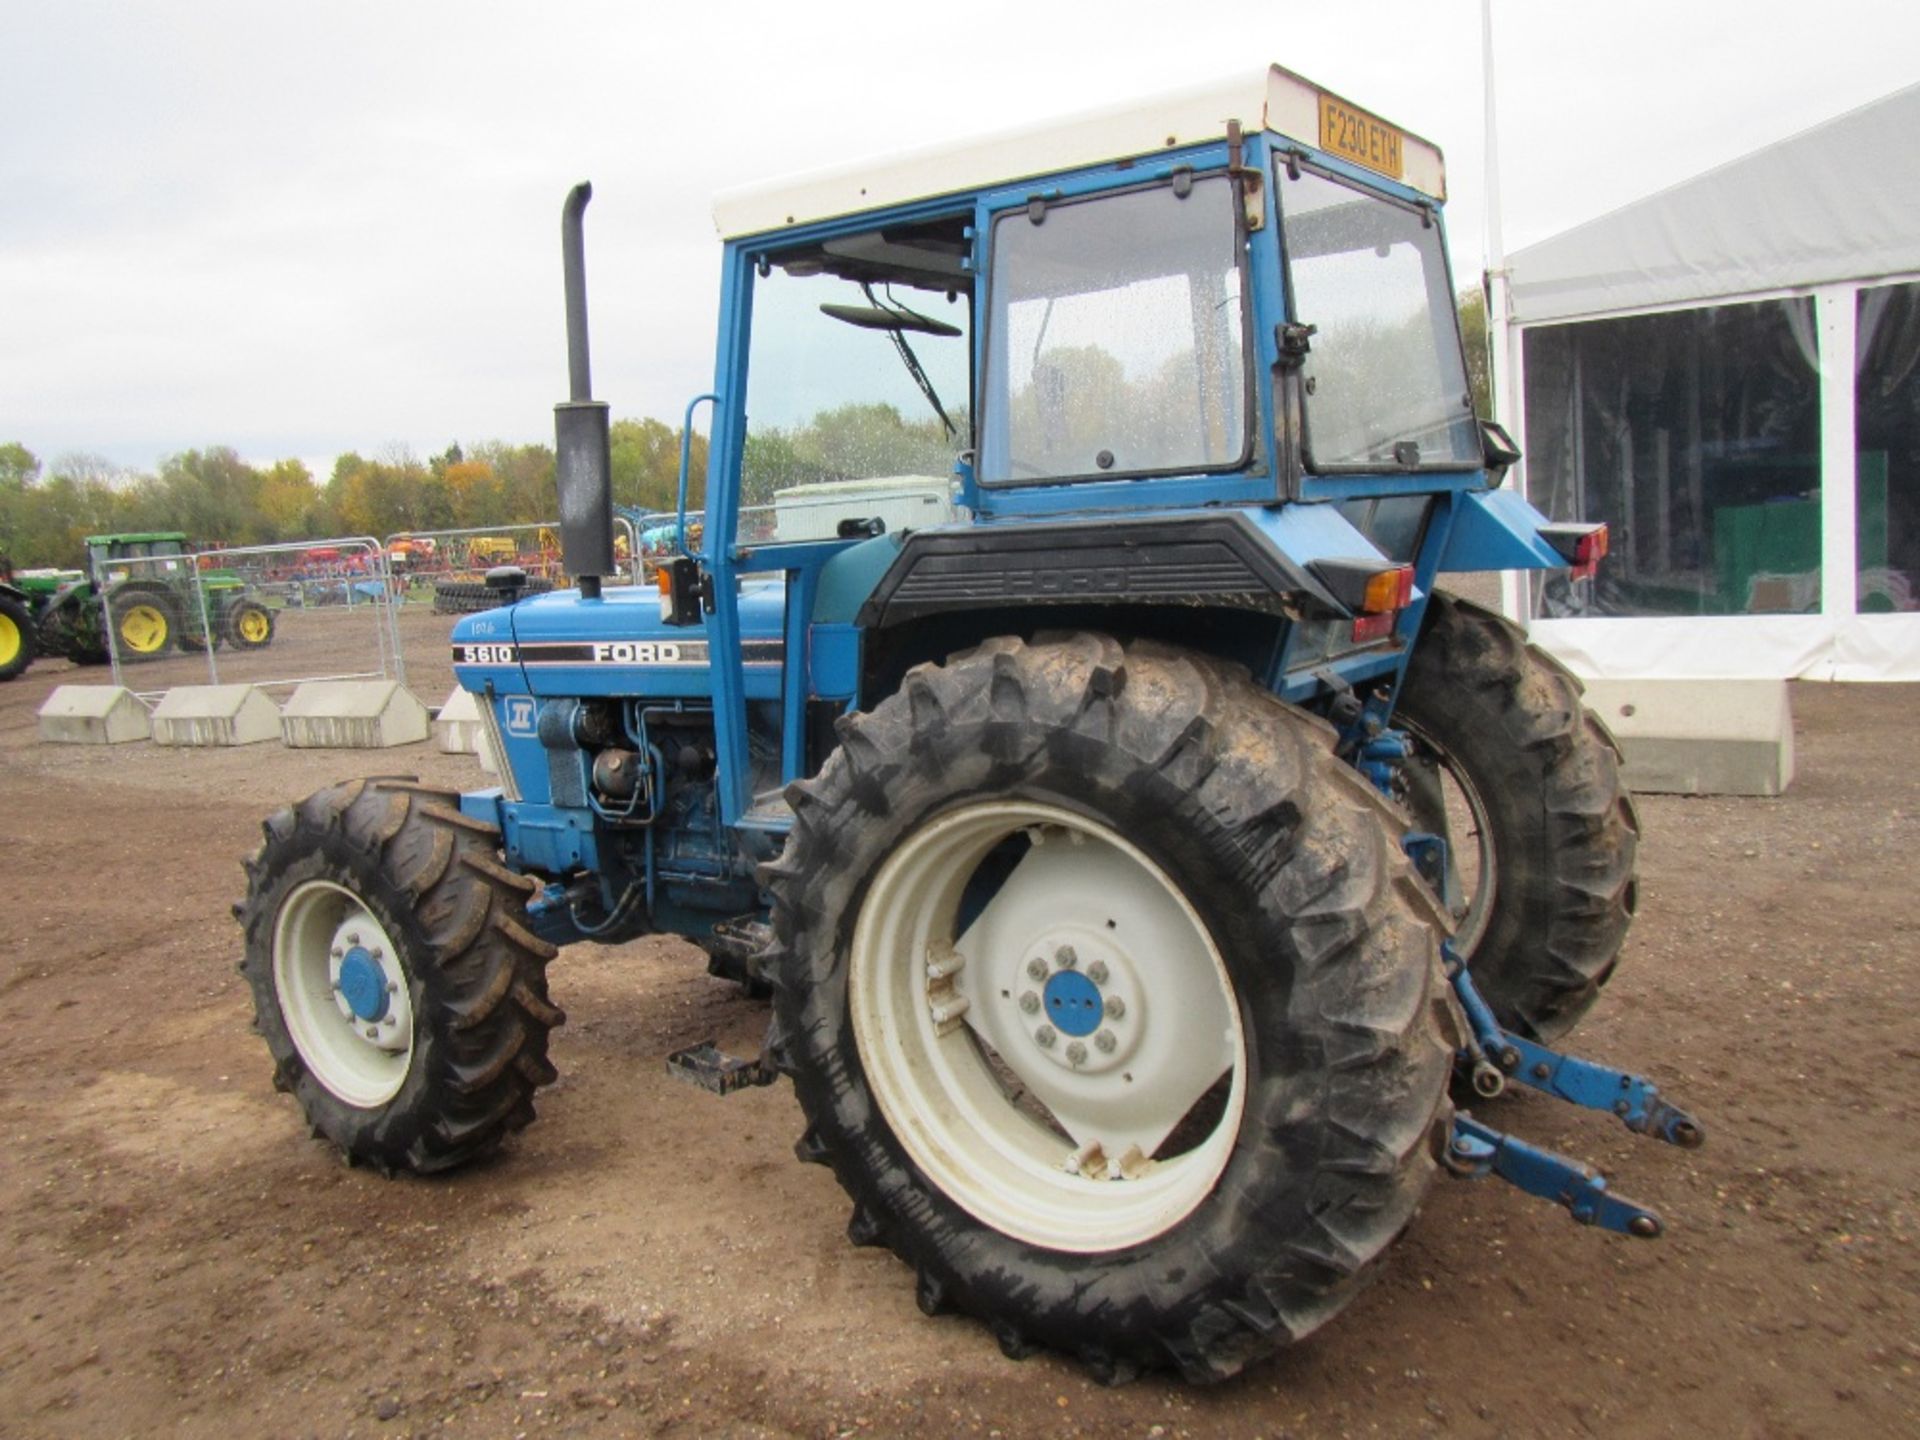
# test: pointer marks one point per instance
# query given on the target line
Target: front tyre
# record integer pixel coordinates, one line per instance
(249, 625)
(1113, 1003)
(1524, 782)
(401, 996)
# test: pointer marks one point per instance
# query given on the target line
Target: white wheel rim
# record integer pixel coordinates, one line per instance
(343, 994)
(932, 1010)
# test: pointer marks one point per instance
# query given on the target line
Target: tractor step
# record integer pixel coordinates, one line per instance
(707, 1066)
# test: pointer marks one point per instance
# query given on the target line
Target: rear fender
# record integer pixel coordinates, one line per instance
(1497, 530)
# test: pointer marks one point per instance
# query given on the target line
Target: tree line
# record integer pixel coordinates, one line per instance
(217, 498)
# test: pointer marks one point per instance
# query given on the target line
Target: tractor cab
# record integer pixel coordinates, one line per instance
(156, 555)
(1087, 372)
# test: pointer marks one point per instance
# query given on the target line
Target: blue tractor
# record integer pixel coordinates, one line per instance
(1060, 718)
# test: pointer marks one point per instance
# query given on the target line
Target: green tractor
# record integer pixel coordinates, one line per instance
(142, 585)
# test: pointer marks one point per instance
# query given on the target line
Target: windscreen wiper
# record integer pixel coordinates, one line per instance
(897, 333)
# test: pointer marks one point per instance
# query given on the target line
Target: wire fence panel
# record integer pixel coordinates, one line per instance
(447, 569)
(268, 615)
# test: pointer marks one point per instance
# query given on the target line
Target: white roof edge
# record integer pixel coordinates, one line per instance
(1274, 99)
(1832, 203)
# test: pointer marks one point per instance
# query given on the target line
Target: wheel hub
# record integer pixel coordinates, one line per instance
(367, 982)
(1073, 1003)
(1085, 1009)
(363, 984)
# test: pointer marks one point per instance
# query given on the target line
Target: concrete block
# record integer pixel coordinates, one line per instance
(215, 715)
(1699, 737)
(93, 715)
(458, 731)
(352, 715)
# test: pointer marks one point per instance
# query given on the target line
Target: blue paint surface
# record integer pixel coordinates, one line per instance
(1073, 1003)
(364, 984)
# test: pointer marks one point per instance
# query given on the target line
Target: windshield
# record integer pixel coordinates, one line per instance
(1385, 380)
(1117, 344)
(856, 397)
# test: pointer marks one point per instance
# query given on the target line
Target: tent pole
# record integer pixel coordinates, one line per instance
(1503, 342)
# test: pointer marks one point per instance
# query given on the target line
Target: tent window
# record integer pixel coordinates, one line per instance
(1887, 439)
(1695, 435)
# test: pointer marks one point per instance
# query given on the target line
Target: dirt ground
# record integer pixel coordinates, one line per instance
(178, 1258)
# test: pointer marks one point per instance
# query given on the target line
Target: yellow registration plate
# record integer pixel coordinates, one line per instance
(1362, 138)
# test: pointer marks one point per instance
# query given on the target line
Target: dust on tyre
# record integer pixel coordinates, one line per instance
(249, 625)
(1112, 1002)
(1525, 781)
(16, 638)
(400, 993)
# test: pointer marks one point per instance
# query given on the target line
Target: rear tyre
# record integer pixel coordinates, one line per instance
(249, 625)
(16, 638)
(1112, 1002)
(1525, 783)
(145, 622)
(401, 996)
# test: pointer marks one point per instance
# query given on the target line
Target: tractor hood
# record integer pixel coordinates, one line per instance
(563, 645)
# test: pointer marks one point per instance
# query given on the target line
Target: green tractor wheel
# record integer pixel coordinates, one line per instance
(145, 622)
(249, 625)
(16, 637)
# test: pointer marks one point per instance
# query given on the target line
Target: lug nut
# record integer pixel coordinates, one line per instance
(1036, 969)
(1117, 1008)
(1065, 958)
(393, 987)
(1076, 1053)
(1097, 972)
(373, 1032)
(1104, 1042)
(1029, 1002)
(1045, 1037)
(377, 952)
(353, 937)
(339, 952)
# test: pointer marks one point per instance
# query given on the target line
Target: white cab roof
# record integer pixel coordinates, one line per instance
(1273, 99)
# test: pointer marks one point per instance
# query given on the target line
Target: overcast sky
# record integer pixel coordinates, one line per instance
(303, 229)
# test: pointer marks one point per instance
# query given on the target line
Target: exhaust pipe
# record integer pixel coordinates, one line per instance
(584, 469)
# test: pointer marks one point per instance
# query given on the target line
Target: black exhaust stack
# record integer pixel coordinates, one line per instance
(585, 470)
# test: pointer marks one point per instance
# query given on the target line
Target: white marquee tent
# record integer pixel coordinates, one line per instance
(1728, 373)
